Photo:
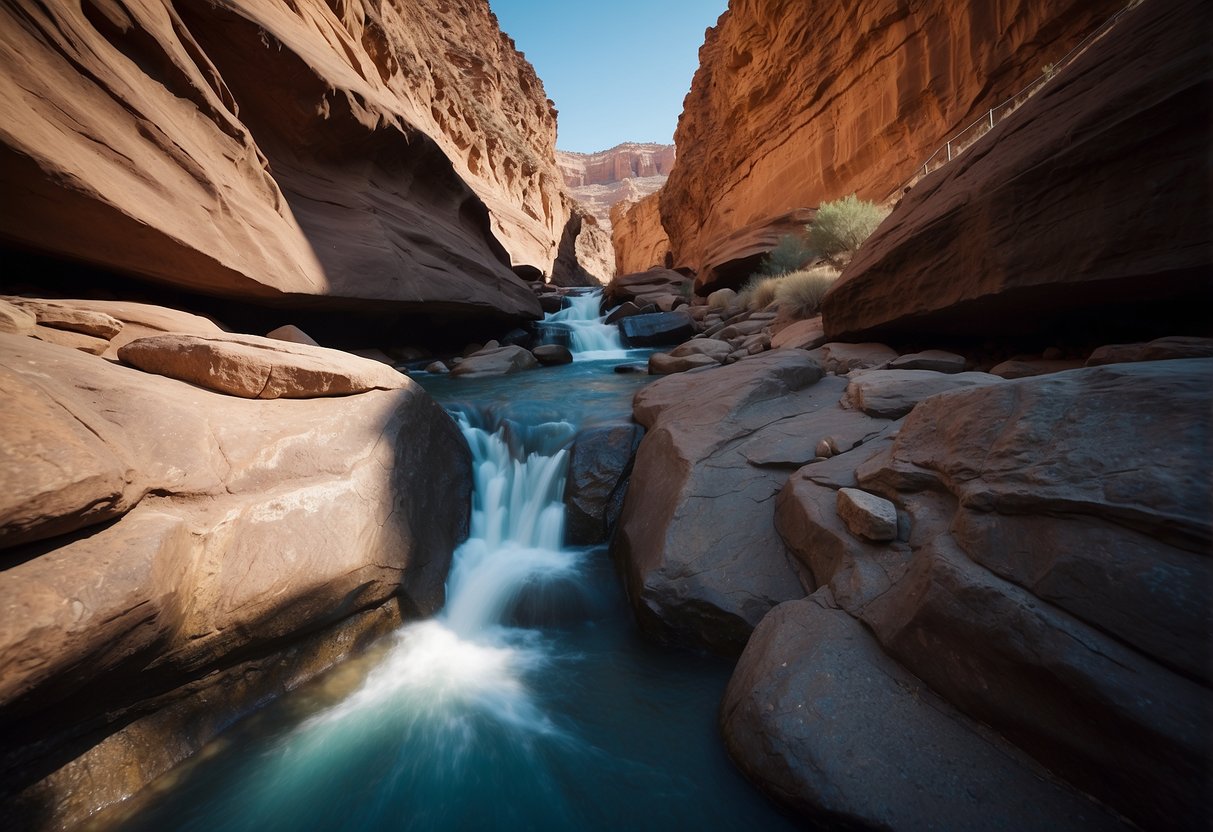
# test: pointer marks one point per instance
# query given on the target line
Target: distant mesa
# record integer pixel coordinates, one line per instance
(627, 172)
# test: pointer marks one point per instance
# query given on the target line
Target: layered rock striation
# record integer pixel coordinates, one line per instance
(794, 103)
(306, 153)
(1084, 210)
(627, 173)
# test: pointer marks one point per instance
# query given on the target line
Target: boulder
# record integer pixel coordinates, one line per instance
(1053, 535)
(142, 319)
(437, 367)
(891, 394)
(841, 359)
(291, 334)
(600, 462)
(662, 364)
(866, 515)
(496, 362)
(551, 355)
(1035, 232)
(702, 346)
(803, 335)
(722, 298)
(834, 729)
(624, 310)
(644, 287)
(656, 329)
(939, 361)
(182, 533)
(696, 541)
(85, 321)
(258, 368)
(71, 340)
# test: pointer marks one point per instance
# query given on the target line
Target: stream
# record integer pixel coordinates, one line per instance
(530, 701)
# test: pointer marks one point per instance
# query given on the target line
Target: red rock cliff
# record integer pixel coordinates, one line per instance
(282, 150)
(797, 103)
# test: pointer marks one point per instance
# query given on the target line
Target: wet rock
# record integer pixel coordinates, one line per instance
(496, 362)
(939, 361)
(253, 367)
(551, 303)
(840, 733)
(631, 368)
(625, 310)
(437, 367)
(551, 355)
(599, 464)
(656, 329)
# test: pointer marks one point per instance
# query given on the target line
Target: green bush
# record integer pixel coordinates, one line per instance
(758, 292)
(799, 294)
(790, 253)
(841, 226)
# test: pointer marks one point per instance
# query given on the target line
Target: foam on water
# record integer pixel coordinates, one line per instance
(590, 338)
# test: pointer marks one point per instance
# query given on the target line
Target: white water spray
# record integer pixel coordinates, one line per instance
(589, 337)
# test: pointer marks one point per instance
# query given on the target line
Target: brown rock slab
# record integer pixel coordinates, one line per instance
(841, 358)
(834, 729)
(258, 368)
(552, 354)
(866, 515)
(1160, 349)
(711, 347)
(85, 321)
(803, 335)
(14, 320)
(939, 361)
(496, 362)
(663, 364)
(1027, 367)
(891, 394)
(71, 340)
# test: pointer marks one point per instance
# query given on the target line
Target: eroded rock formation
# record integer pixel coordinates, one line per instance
(1081, 210)
(637, 235)
(626, 173)
(172, 555)
(364, 153)
(796, 103)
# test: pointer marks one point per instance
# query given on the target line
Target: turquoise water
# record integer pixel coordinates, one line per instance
(530, 702)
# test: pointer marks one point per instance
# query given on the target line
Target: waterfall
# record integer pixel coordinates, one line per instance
(579, 323)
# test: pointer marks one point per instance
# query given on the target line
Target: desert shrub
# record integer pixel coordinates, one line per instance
(841, 226)
(759, 292)
(799, 294)
(790, 253)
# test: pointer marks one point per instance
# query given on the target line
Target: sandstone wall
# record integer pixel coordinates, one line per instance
(282, 150)
(629, 160)
(638, 237)
(796, 103)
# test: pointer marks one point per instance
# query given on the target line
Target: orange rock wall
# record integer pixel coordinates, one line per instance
(797, 103)
(638, 237)
(630, 160)
(281, 149)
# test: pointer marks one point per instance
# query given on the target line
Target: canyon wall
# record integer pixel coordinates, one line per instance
(638, 237)
(796, 103)
(285, 152)
(628, 172)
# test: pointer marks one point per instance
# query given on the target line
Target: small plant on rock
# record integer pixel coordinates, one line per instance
(841, 226)
(790, 253)
(799, 294)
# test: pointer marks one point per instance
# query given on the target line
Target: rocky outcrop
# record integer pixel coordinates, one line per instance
(600, 463)
(630, 160)
(584, 256)
(637, 235)
(791, 106)
(1085, 210)
(283, 153)
(174, 555)
(1053, 535)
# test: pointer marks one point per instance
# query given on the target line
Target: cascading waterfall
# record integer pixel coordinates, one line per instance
(589, 338)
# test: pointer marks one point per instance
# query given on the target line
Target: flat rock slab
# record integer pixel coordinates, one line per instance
(843, 358)
(940, 361)
(712, 347)
(15, 320)
(73, 319)
(836, 730)
(663, 364)
(805, 335)
(1027, 367)
(891, 394)
(259, 368)
(1160, 349)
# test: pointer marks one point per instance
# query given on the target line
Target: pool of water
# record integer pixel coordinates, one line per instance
(530, 702)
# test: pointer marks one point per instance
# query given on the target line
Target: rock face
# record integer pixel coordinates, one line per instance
(1053, 534)
(159, 538)
(627, 172)
(600, 462)
(637, 235)
(1087, 207)
(790, 107)
(375, 155)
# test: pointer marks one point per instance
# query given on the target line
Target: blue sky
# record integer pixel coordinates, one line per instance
(617, 71)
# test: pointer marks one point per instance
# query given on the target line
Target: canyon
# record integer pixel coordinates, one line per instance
(335, 494)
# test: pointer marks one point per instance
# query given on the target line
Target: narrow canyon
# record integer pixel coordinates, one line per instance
(367, 462)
